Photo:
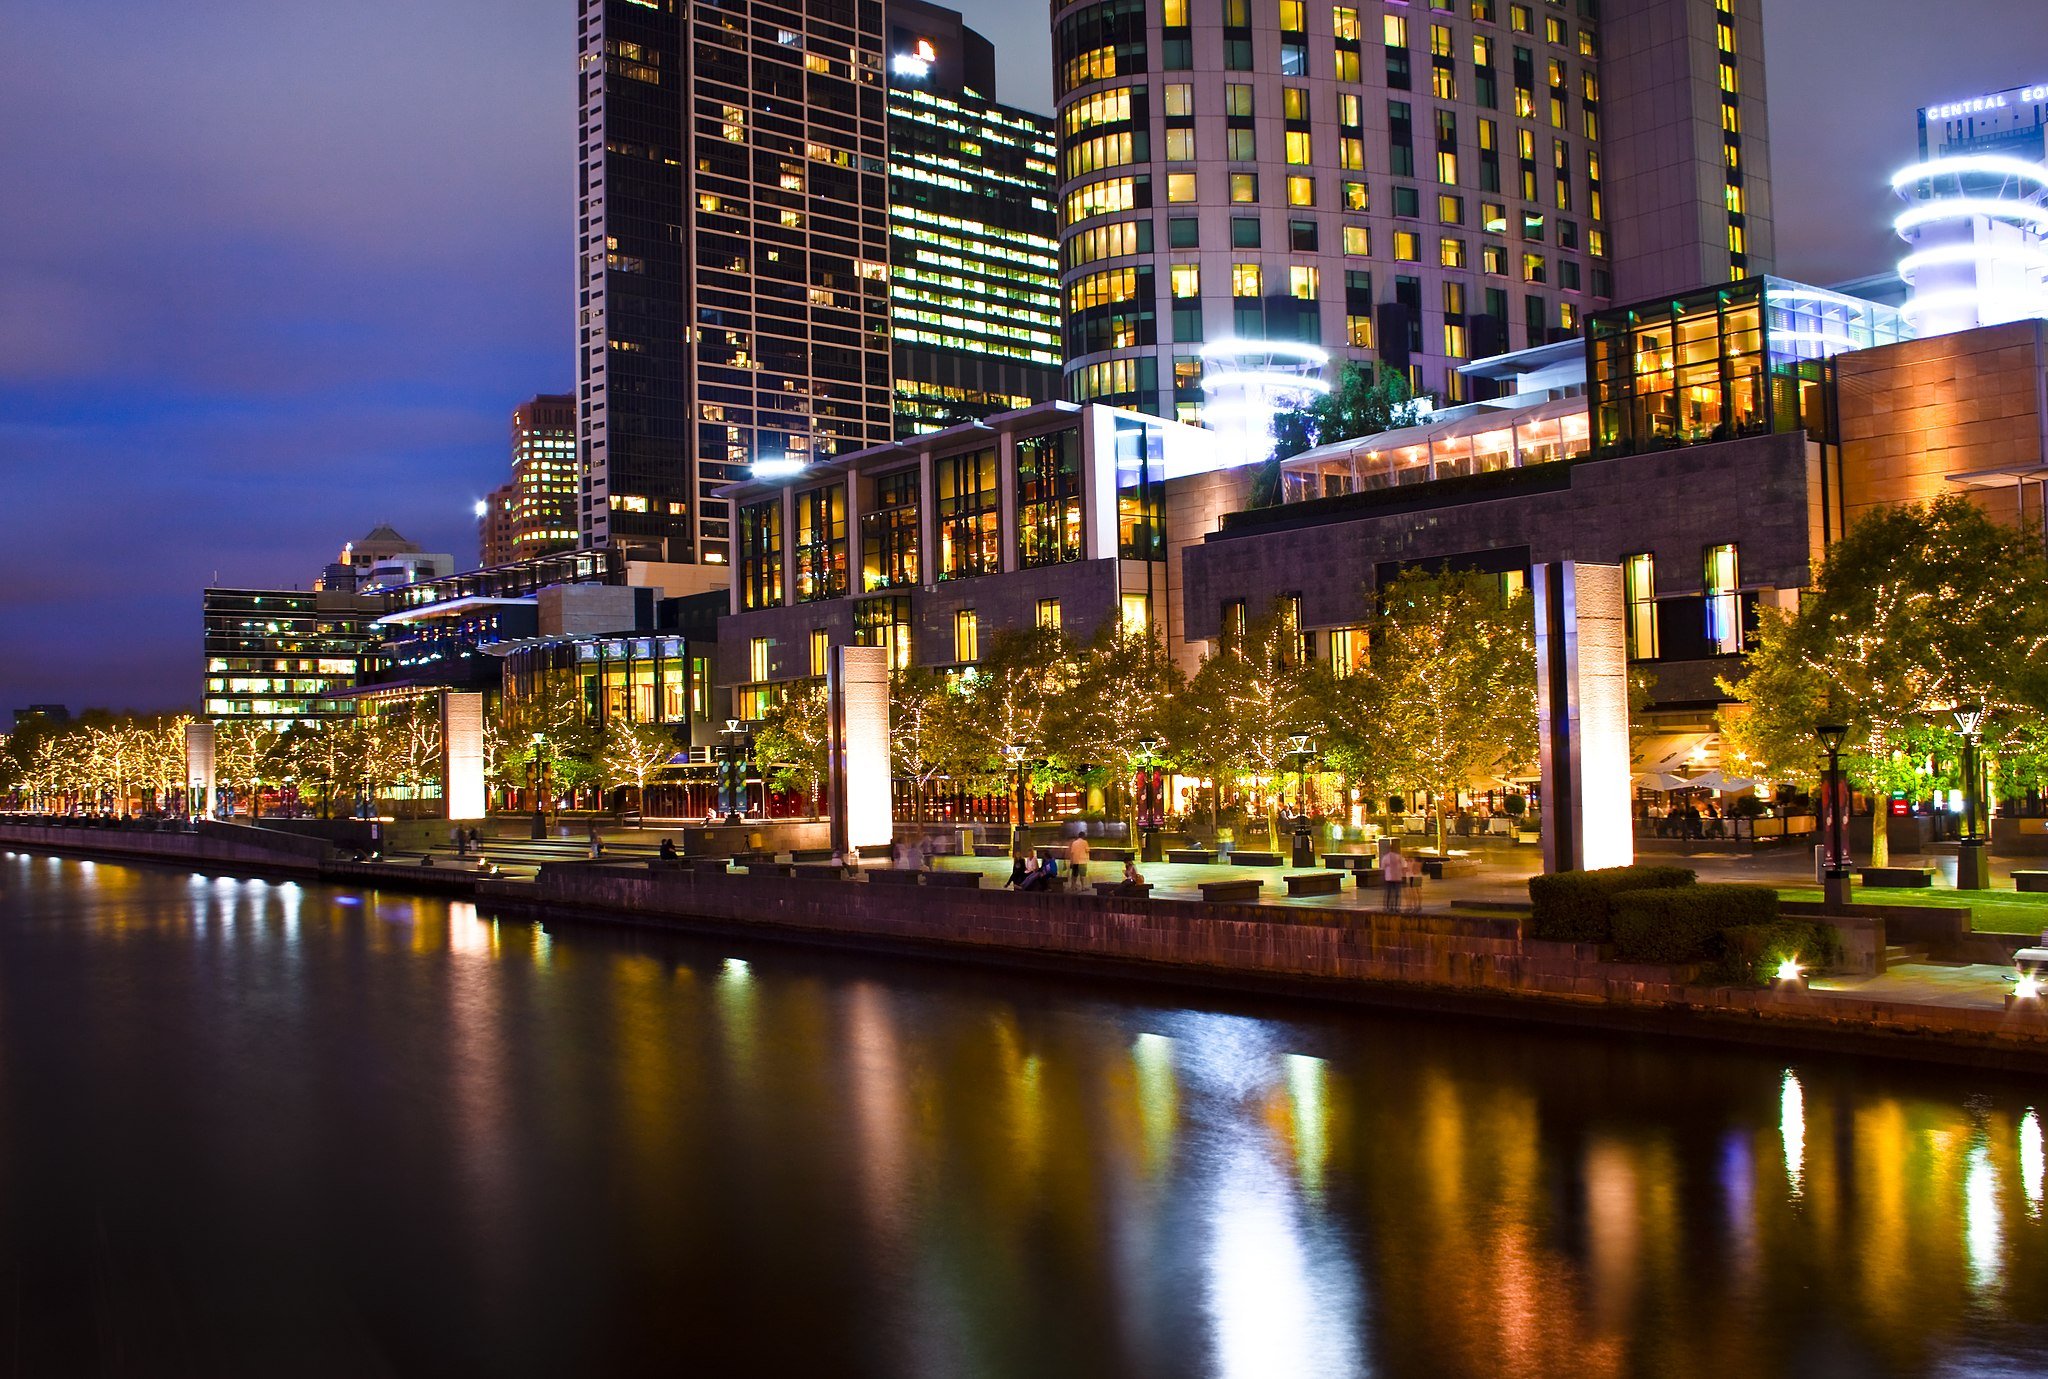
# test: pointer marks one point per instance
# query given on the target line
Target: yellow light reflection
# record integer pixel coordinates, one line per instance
(1983, 1231)
(1308, 1094)
(1158, 1098)
(2031, 1161)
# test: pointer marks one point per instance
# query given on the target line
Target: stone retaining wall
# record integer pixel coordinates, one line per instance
(1354, 952)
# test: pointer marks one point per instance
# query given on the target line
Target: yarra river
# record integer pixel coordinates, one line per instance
(257, 1129)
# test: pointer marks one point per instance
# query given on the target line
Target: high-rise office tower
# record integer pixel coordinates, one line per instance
(494, 526)
(1687, 146)
(1247, 184)
(974, 260)
(544, 476)
(733, 256)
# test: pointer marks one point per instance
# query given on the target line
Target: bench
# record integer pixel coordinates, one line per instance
(874, 852)
(819, 871)
(2030, 960)
(894, 876)
(1315, 883)
(770, 868)
(1898, 878)
(810, 855)
(2030, 881)
(719, 865)
(1352, 861)
(1190, 856)
(1241, 888)
(965, 880)
(1255, 859)
(1112, 889)
(669, 864)
(1109, 854)
(991, 849)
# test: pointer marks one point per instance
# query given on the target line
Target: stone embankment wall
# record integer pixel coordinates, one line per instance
(1417, 958)
(230, 846)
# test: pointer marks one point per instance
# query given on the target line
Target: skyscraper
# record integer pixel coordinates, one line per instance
(1249, 184)
(544, 476)
(494, 526)
(733, 264)
(974, 262)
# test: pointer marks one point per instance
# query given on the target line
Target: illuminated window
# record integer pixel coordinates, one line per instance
(1454, 340)
(1244, 280)
(1407, 246)
(1358, 239)
(757, 658)
(1180, 98)
(1451, 252)
(1534, 269)
(1301, 191)
(966, 636)
(1180, 145)
(1304, 282)
(1049, 614)
(1344, 22)
(1298, 147)
(820, 648)
(1395, 29)
(1356, 198)
(1180, 186)
(1237, 99)
(1244, 187)
(1724, 603)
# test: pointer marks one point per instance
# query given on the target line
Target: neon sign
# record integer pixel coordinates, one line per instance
(1997, 100)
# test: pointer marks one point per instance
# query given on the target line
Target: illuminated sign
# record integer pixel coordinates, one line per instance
(917, 62)
(1997, 100)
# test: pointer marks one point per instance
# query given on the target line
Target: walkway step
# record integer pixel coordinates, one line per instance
(1897, 954)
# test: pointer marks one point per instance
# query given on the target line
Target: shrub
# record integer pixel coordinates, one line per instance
(1750, 953)
(1515, 806)
(1682, 924)
(1577, 906)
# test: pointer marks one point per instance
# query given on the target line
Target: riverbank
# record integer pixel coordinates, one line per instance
(1477, 963)
(1343, 949)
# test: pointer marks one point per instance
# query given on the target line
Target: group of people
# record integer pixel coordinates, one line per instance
(1687, 820)
(1042, 872)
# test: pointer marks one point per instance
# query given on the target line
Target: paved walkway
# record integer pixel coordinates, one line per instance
(1970, 985)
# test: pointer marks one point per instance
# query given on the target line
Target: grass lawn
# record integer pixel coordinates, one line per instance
(1992, 912)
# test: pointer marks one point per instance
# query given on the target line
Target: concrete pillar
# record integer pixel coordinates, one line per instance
(857, 705)
(462, 754)
(199, 772)
(1582, 716)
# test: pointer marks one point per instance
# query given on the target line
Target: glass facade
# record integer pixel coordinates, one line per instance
(616, 680)
(969, 522)
(1048, 498)
(286, 656)
(891, 530)
(820, 546)
(760, 562)
(1743, 359)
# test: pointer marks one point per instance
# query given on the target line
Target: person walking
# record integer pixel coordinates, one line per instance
(1077, 858)
(1393, 874)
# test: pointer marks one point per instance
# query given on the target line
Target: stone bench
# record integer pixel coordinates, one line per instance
(2030, 881)
(1352, 861)
(671, 864)
(1110, 854)
(770, 868)
(1111, 889)
(1190, 856)
(874, 852)
(811, 855)
(963, 880)
(719, 865)
(1255, 859)
(1315, 883)
(894, 876)
(819, 871)
(2030, 959)
(991, 849)
(1898, 878)
(1241, 889)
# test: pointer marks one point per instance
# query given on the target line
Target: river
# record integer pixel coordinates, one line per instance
(281, 1129)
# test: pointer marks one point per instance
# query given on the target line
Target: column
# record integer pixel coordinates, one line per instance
(857, 699)
(1582, 716)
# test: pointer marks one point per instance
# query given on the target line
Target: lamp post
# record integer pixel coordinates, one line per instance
(1304, 845)
(1148, 803)
(1014, 753)
(1835, 878)
(537, 776)
(732, 772)
(1972, 868)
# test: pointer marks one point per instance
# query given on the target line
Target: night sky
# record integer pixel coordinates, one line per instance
(272, 274)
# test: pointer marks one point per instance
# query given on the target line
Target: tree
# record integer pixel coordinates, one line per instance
(1916, 609)
(1241, 711)
(327, 753)
(791, 742)
(928, 736)
(1121, 692)
(1453, 674)
(635, 751)
(1008, 696)
(550, 739)
(246, 757)
(1364, 401)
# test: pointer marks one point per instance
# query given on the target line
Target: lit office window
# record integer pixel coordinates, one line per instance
(1639, 589)
(1724, 603)
(966, 636)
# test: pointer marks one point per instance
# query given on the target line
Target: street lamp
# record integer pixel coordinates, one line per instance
(1971, 867)
(1835, 880)
(1015, 753)
(1148, 804)
(732, 775)
(1304, 845)
(536, 780)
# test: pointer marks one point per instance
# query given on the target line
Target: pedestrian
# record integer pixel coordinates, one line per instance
(668, 849)
(1393, 873)
(1077, 857)
(596, 842)
(1020, 869)
(1133, 882)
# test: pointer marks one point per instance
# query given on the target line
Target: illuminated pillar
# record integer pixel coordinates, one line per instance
(462, 754)
(199, 774)
(857, 696)
(1582, 716)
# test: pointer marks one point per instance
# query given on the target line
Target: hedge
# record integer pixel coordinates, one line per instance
(1751, 953)
(1578, 906)
(1681, 924)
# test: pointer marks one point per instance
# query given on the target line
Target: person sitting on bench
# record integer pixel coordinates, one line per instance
(1133, 883)
(1046, 877)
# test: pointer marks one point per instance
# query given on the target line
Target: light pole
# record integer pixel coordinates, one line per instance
(1835, 880)
(1148, 803)
(1014, 753)
(1972, 868)
(733, 777)
(1304, 844)
(537, 781)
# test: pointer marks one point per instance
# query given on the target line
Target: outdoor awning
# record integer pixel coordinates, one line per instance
(1666, 752)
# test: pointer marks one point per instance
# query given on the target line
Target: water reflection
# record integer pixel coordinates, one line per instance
(597, 1152)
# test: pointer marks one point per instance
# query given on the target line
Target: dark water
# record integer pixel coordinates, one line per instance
(284, 1130)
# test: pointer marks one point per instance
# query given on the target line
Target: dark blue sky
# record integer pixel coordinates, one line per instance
(272, 274)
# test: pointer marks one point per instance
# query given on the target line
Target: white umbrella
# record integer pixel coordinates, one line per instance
(1657, 780)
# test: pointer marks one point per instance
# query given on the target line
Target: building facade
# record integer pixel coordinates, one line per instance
(974, 298)
(494, 526)
(544, 477)
(1413, 185)
(285, 656)
(1053, 517)
(733, 257)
